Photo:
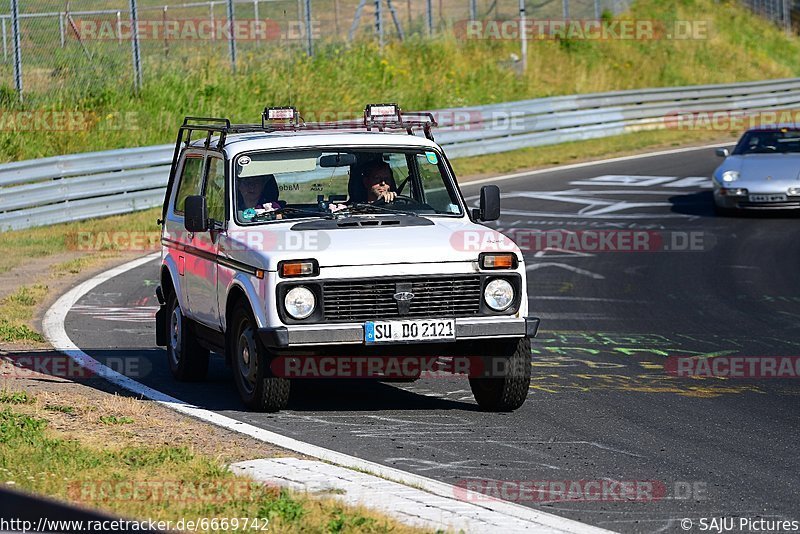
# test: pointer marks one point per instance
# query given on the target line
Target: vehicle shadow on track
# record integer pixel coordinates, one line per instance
(217, 392)
(365, 395)
(701, 204)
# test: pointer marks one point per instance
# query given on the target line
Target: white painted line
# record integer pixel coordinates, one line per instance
(55, 332)
(583, 164)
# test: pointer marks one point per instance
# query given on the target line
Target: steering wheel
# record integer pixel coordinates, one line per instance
(402, 199)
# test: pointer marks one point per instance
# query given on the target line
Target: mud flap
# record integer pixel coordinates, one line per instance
(161, 326)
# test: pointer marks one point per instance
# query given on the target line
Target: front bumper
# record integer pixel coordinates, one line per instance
(283, 337)
(743, 202)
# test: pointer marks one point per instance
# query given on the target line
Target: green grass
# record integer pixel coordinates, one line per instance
(18, 246)
(15, 397)
(60, 408)
(418, 74)
(183, 483)
(16, 310)
(619, 145)
(115, 420)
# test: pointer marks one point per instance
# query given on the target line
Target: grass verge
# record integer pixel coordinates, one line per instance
(565, 153)
(159, 482)
(16, 310)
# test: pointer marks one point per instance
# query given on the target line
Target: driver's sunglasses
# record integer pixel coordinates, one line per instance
(379, 180)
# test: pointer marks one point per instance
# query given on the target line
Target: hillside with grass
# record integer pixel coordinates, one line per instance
(418, 74)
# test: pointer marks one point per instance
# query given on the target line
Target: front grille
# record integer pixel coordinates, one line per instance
(370, 299)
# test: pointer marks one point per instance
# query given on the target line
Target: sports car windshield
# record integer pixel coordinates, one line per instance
(272, 185)
(769, 142)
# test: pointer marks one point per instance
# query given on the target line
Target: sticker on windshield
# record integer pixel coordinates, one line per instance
(432, 159)
(244, 160)
(248, 214)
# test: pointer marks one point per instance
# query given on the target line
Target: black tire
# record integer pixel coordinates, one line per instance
(258, 388)
(507, 392)
(187, 360)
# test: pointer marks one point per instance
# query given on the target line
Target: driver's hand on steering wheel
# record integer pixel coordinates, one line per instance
(388, 196)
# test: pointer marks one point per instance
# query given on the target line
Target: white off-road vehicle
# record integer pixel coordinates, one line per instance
(351, 241)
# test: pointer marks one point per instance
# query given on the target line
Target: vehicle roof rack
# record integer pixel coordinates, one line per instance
(381, 117)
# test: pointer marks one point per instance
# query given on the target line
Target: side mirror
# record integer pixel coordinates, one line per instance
(195, 214)
(490, 204)
(723, 152)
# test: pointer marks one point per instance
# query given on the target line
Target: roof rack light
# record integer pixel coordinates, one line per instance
(382, 112)
(286, 113)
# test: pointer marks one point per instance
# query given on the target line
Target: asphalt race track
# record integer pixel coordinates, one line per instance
(601, 406)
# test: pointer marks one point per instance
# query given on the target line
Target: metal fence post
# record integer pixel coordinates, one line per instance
(5, 42)
(523, 35)
(231, 38)
(309, 37)
(597, 11)
(164, 25)
(565, 9)
(137, 59)
(787, 17)
(212, 21)
(473, 9)
(61, 33)
(119, 27)
(17, 48)
(379, 23)
(429, 9)
(255, 18)
(336, 16)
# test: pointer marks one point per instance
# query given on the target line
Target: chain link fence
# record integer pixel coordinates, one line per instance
(52, 45)
(784, 13)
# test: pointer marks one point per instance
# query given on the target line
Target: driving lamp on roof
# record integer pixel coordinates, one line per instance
(379, 112)
(287, 113)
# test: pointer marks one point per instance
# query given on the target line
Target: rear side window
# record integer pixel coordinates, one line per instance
(191, 181)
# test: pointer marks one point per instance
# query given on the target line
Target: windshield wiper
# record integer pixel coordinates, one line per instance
(363, 206)
(299, 211)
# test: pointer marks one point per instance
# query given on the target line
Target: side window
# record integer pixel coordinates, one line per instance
(215, 189)
(191, 181)
(437, 194)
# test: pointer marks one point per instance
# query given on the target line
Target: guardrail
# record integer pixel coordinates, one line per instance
(80, 186)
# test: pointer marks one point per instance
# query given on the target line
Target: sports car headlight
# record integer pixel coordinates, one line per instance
(730, 176)
(498, 294)
(299, 302)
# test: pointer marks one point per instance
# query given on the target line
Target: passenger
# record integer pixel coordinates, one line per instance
(379, 182)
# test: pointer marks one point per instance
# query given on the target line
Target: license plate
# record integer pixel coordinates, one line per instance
(768, 198)
(416, 330)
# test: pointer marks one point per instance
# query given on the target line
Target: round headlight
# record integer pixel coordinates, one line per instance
(299, 302)
(498, 294)
(730, 176)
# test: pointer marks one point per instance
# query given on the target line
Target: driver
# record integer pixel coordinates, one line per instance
(379, 182)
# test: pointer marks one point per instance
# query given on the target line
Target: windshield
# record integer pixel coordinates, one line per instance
(769, 142)
(273, 185)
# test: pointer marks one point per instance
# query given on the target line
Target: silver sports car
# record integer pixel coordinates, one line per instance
(763, 172)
